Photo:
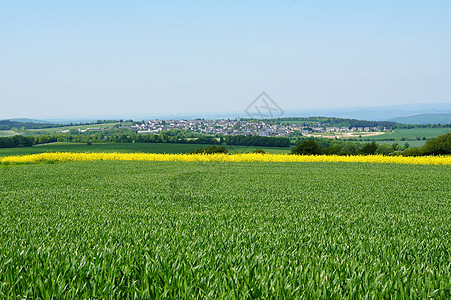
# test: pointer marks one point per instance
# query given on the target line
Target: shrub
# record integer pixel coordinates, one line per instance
(412, 152)
(331, 150)
(210, 150)
(306, 147)
(261, 151)
(439, 145)
(369, 148)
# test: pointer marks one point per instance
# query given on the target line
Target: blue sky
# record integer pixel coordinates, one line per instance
(101, 58)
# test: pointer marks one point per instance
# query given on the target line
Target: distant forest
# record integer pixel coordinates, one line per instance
(239, 140)
(8, 124)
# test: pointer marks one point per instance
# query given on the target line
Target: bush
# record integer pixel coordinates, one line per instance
(261, 151)
(210, 150)
(349, 149)
(306, 147)
(331, 150)
(369, 148)
(412, 152)
(384, 149)
(439, 145)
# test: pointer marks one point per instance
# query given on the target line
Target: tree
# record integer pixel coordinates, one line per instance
(369, 148)
(210, 150)
(384, 149)
(259, 151)
(307, 147)
(439, 145)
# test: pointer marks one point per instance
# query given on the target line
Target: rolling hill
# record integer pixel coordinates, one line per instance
(424, 119)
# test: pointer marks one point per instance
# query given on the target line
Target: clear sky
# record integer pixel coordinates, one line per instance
(98, 58)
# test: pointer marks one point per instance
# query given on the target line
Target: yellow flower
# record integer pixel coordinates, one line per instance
(219, 157)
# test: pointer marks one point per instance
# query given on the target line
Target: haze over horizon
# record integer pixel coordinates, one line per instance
(85, 59)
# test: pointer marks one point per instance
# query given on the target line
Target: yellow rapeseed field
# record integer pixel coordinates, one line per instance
(245, 157)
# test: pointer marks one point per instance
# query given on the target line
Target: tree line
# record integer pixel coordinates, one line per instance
(437, 146)
(119, 136)
(25, 125)
(25, 141)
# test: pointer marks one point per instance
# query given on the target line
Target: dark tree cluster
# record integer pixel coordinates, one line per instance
(210, 150)
(25, 141)
(8, 124)
(438, 146)
(255, 140)
(334, 147)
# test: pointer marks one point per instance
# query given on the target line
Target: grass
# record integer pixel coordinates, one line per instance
(115, 229)
(411, 134)
(400, 143)
(54, 130)
(7, 133)
(126, 148)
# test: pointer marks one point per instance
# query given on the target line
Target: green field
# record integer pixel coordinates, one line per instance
(54, 130)
(225, 230)
(6, 133)
(400, 143)
(127, 148)
(412, 134)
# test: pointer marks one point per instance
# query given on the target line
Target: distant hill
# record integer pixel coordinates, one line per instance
(424, 119)
(26, 120)
(375, 113)
(9, 124)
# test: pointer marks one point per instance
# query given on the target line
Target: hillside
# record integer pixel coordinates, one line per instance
(424, 119)
(27, 120)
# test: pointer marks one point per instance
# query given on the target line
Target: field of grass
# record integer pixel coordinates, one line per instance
(127, 148)
(6, 133)
(112, 229)
(54, 130)
(412, 134)
(400, 143)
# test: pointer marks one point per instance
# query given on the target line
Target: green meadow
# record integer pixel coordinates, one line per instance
(165, 230)
(412, 134)
(7, 133)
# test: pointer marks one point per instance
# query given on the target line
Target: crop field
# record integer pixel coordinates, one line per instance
(54, 130)
(222, 157)
(127, 148)
(139, 229)
(412, 134)
(6, 133)
(414, 143)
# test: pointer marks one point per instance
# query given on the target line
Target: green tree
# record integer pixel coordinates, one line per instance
(439, 145)
(306, 147)
(369, 148)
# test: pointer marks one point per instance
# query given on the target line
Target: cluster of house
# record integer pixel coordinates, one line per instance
(238, 127)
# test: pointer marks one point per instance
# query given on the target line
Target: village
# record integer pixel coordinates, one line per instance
(260, 128)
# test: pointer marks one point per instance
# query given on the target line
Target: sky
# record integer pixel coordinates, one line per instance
(62, 59)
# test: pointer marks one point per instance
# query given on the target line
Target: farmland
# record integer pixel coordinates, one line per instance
(412, 134)
(56, 129)
(127, 148)
(241, 230)
(4, 133)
